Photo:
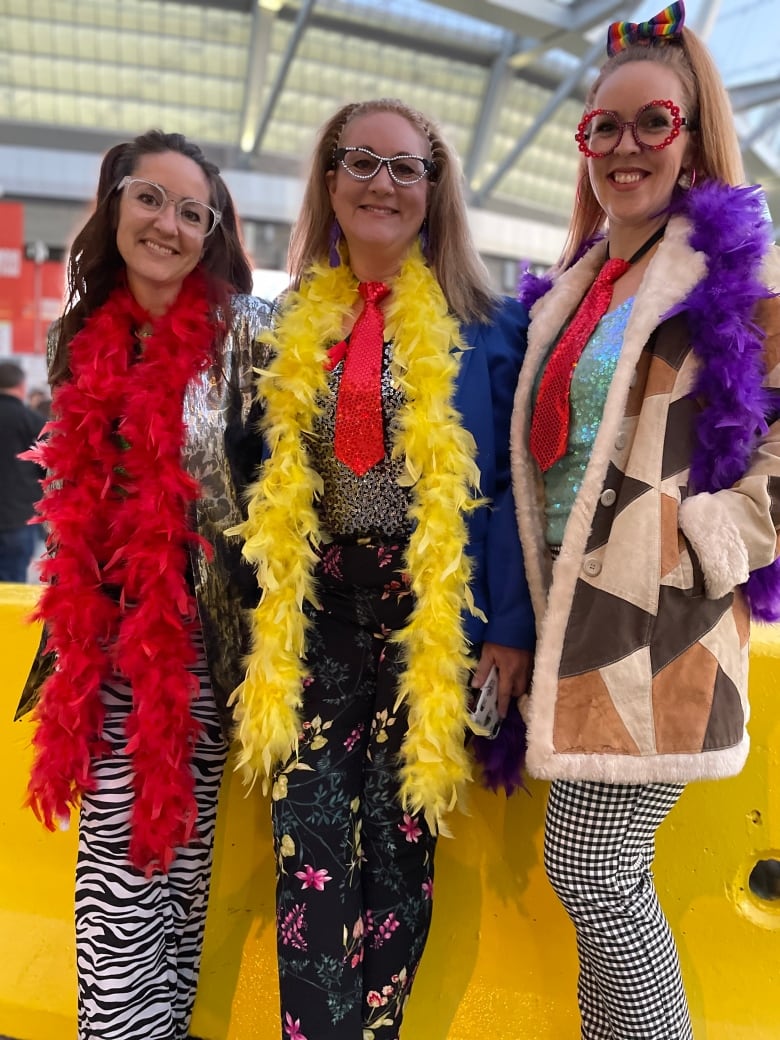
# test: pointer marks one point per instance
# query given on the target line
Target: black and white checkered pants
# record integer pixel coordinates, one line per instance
(599, 846)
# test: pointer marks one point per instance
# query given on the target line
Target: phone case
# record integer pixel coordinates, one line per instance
(485, 711)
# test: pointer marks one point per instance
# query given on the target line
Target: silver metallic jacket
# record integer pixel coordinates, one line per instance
(213, 403)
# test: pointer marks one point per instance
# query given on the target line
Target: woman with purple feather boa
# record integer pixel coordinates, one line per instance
(646, 467)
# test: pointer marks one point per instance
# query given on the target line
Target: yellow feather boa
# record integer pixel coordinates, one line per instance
(282, 528)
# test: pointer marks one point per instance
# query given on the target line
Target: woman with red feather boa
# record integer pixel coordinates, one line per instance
(150, 363)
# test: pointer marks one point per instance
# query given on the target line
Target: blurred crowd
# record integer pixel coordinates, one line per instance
(23, 413)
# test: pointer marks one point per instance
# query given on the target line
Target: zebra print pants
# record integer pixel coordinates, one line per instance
(139, 940)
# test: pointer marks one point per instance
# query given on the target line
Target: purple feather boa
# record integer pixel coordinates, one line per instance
(731, 228)
(502, 760)
(729, 225)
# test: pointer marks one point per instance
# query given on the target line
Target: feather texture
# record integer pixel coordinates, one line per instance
(282, 532)
(116, 501)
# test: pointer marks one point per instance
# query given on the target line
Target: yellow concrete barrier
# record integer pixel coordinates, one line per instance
(500, 962)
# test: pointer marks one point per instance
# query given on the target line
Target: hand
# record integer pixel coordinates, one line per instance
(514, 672)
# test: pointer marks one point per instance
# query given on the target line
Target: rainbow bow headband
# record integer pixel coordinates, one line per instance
(666, 25)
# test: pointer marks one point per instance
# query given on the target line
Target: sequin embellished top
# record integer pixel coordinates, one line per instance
(589, 386)
(374, 505)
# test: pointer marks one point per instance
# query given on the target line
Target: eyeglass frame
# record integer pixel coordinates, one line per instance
(128, 179)
(678, 122)
(339, 154)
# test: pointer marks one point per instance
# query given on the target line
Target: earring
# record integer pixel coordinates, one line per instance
(425, 241)
(687, 179)
(334, 239)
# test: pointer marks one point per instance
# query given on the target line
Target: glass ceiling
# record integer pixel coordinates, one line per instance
(254, 79)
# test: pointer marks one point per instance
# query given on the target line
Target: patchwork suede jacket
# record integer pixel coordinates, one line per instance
(643, 627)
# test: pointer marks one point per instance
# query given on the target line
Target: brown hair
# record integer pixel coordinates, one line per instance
(717, 153)
(95, 264)
(451, 252)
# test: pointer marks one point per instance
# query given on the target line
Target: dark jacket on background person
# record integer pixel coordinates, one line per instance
(19, 481)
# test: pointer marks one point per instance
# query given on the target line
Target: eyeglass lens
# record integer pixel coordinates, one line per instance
(655, 126)
(191, 215)
(362, 164)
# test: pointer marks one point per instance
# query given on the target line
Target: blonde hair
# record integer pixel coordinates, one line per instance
(451, 252)
(716, 150)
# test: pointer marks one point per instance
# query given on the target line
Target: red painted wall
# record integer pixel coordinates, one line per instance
(31, 293)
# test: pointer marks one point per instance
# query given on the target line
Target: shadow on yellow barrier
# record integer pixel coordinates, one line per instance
(500, 962)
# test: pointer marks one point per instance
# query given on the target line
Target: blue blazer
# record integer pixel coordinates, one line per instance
(484, 397)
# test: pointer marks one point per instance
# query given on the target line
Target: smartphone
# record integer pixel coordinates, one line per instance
(485, 710)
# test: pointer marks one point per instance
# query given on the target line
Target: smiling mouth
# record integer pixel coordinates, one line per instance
(627, 177)
(156, 247)
(384, 210)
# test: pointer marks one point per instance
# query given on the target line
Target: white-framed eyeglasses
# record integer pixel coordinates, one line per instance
(192, 216)
(363, 164)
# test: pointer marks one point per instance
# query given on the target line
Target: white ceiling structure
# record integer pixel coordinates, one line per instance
(252, 80)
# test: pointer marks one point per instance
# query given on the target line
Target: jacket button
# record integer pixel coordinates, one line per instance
(620, 441)
(592, 568)
(608, 497)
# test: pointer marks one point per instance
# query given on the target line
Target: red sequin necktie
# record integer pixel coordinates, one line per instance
(550, 422)
(359, 440)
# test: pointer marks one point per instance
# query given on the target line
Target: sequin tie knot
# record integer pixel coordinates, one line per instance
(359, 440)
(550, 422)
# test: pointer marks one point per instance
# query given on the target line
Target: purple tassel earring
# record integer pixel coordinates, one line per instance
(334, 238)
(425, 241)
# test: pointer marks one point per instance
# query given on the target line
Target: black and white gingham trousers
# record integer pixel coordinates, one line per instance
(598, 848)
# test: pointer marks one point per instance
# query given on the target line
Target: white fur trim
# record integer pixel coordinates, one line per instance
(647, 769)
(716, 540)
(770, 272)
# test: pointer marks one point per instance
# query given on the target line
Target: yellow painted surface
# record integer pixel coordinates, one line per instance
(500, 962)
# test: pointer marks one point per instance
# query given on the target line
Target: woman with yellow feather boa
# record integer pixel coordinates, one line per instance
(381, 526)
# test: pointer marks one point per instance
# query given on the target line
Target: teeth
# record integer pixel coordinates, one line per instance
(626, 178)
(159, 249)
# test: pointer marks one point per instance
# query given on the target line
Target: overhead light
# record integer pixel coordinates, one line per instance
(270, 5)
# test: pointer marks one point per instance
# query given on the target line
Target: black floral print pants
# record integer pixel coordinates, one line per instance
(355, 873)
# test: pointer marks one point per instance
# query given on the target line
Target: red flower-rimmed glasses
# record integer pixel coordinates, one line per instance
(655, 126)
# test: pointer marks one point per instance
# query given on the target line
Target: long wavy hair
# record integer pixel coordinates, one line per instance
(716, 153)
(95, 265)
(451, 252)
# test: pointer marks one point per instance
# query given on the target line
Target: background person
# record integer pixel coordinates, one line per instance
(385, 414)
(20, 480)
(649, 522)
(150, 360)
(39, 401)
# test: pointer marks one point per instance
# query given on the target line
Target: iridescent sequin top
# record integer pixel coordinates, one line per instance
(589, 387)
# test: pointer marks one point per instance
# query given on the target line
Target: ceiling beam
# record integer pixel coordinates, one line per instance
(257, 63)
(492, 100)
(554, 102)
(276, 89)
(770, 120)
(750, 95)
(541, 20)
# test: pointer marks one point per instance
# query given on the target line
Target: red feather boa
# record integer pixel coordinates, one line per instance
(116, 500)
